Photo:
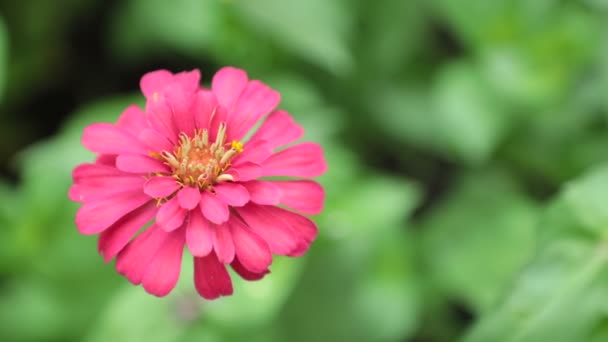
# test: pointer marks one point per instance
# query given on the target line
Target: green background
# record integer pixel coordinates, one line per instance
(467, 191)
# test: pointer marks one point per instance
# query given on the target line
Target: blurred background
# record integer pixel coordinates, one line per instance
(467, 191)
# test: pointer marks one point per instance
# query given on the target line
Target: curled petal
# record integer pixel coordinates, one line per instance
(304, 195)
(110, 139)
(302, 160)
(189, 197)
(211, 279)
(232, 194)
(171, 216)
(213, 208)
(162, 273)
(161, 187)
(278, 129)
(199, 234)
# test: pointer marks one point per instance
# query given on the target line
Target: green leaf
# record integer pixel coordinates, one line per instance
(315, 30)
(561, 295)
(479, 237)
(134, 315)
(141, 26)
(557, 298)
(587, 199)
(468, 116)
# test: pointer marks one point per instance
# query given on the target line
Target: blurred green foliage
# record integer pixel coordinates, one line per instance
(466, 194)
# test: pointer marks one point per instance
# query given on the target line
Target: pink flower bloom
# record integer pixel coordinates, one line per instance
(179, 174)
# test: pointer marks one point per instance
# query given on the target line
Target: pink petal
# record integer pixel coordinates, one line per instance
(303, 195)
(256, 101)
(154, 82)
(160, 117)
(228, 84)
(109, 139)
(94, 217)
(232, 193)
(251, 250)
(97, 189)
(222, 243)
(74, 193)
(263, 192)
(132, 120)
(211, 279)
(245, 171)
(170, 216)
(161, 187)
(303, 227)
(245, 273)
(199, 234)
(114, 239)
(134, 259)
(189, 197)
(162, 273)
(213, 208)
(88, 171)
(106, 159)
(254, 151)
(218, 116)
(137, 163)
(155, 141)
(302, 160)
(181, 103)
(277, 234)
(189, 80)
(278, 129)
(205, 105)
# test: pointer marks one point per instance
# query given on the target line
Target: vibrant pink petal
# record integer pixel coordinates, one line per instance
(205, 105)
(245, 273)
(199, 234)
(214, 209)
(155, 82)
(245, 171)
(181, 103)
(189, 197)
(132, 120)
(256, 101)
(98, 188)
(74, 193)
(278, 234)
(106, 159)
(303, 227)
(302, 160)
(278, 129)
(251, 250)
(137, 163)
(263, 192)
(155, 141)
(254, 151)
(161, 187)
(114, 239)
(162, 273)
(109, 139)
(218, 116)
(304, 195)
(232, 193)
(189, 80)
(222, 243)
(134, 259)
(228, 84)
(171, 216)
(96, 216)
(160, 117)
(88, 171)
(211, 278)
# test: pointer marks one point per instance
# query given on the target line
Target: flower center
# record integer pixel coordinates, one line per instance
(195, 162)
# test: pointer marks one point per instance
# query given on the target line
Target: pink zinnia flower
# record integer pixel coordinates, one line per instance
(181, 174)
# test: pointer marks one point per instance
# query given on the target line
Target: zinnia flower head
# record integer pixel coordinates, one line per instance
(183, 173)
